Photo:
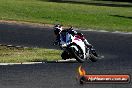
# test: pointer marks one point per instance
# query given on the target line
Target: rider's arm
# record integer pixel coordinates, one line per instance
(57, 40)
(71, 31)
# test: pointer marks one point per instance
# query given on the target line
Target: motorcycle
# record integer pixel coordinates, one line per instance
(74, 47)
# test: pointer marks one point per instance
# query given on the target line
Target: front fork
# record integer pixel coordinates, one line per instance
(90, 51)
(93, 51)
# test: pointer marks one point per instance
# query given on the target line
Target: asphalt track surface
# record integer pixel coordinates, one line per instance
(116, 49)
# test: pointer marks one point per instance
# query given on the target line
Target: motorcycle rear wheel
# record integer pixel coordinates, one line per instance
(65, 55)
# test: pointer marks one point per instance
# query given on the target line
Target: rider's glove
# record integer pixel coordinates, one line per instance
(80, 34)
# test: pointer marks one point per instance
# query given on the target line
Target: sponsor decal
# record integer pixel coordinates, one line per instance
(101, 78)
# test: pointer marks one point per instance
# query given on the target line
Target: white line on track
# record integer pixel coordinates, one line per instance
(59, 61)
(20, 63)
(68, 60)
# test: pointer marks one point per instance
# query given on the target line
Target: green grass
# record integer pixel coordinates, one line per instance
(8, 55)
(78, 15)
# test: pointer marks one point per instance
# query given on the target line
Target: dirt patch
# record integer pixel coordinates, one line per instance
(12, 22)
(40, 25)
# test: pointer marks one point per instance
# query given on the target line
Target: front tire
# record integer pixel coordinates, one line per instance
(78, 55)
(93, 56)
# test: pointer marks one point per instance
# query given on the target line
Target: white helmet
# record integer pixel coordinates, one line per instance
(57, 29)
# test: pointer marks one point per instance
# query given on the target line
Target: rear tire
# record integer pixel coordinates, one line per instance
(65, 55)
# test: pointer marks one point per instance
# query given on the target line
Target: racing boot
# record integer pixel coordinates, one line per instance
(88, 45)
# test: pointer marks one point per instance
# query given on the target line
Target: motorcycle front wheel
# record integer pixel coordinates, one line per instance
(77, 53)
(93, 55)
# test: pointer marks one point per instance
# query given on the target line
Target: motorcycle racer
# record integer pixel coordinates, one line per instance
(58, 30)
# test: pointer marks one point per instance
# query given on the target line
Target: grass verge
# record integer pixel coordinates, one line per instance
(98, 15)
(8, 55)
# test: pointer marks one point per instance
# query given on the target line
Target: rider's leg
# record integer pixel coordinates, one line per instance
(87, 43)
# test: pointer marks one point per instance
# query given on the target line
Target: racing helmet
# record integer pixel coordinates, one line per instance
(57, 29)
